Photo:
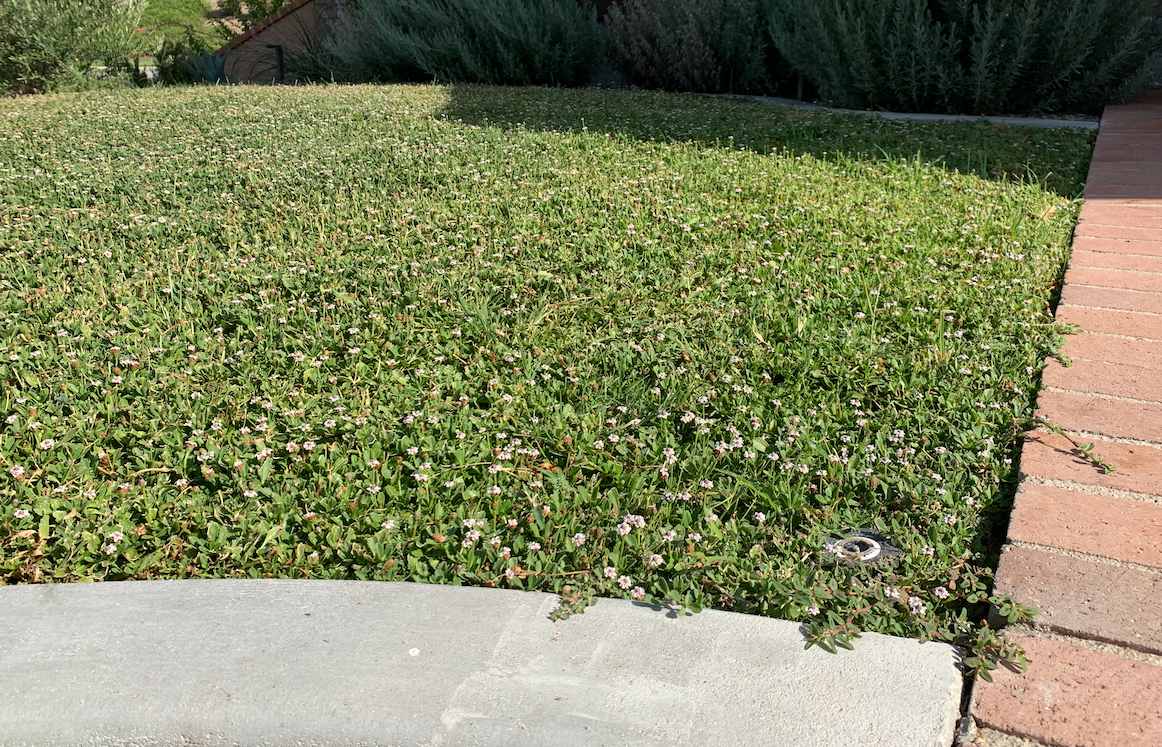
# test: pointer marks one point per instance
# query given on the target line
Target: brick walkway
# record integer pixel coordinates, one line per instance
(1085, 548)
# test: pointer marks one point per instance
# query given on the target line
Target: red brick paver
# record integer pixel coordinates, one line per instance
(1074, 697)
(1106, 298)
(1150, 282)
(1116, 261)
(1048, 456)
(1118, 214)
(1086, 545)
(1082, 242)
(1078, 597)
(1125, 233)
(1098, 525)
(1109, 417)
(1114, 379)
(1142, 353)
(1111, 322)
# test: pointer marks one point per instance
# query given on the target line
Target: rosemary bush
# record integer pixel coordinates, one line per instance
(970, 56)
(522, 42)
(717, 46)
(47, 44)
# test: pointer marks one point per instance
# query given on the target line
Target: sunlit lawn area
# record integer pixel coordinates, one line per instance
(633, 344)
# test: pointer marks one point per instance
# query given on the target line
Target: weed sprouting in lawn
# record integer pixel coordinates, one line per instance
(334, 333)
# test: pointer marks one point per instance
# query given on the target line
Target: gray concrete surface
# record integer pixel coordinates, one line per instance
(1042, 122)
(298, 663)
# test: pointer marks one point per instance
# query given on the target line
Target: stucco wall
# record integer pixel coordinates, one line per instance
(251, 59)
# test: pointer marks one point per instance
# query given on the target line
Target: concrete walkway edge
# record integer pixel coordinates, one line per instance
(1044, 123)
(292, 662)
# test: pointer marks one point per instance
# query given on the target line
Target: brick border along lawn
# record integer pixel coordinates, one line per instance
(1085, 547)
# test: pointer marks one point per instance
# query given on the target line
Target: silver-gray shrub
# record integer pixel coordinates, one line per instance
(512, 42)
(708, 46)
(969, 56)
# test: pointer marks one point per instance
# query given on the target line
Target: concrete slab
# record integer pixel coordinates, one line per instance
(1039, 122)
(276, 662)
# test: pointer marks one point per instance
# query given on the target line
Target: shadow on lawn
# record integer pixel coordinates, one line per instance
(1058, 159)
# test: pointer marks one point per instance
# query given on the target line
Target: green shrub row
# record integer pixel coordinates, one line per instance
(514, 42)
(976, 56)
(953, 56)
(708, 46)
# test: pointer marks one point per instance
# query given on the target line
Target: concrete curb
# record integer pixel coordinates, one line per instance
(912, 117)
(277, 662)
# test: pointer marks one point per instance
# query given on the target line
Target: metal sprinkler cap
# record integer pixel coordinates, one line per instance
(862, 547)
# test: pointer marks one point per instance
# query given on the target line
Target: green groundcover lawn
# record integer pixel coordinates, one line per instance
(620, 344)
